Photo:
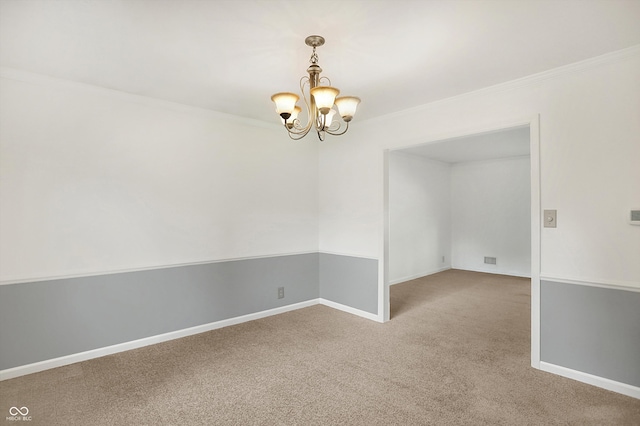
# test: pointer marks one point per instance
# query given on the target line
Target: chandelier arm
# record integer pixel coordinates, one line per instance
(297, 128)
(322, 125)
(320, 120)
(335, 126)
(297, 136)
(325, 78)
(285, 102)
(334, 133)
(303, 130)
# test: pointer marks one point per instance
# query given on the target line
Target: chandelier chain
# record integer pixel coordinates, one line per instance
(314, 57)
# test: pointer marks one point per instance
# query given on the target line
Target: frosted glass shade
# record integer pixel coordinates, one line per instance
(285, 103)
(294, 116)
(328, 118)
(324, 97)
(347, 106)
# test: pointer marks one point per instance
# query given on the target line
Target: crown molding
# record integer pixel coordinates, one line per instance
(55, 82)
(533, 79)
(59, 83)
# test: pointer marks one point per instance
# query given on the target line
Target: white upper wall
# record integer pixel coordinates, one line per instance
(96, 181)
(491, 215)
(504, 143)
(93, 183)
(589, 151)
(419, 216)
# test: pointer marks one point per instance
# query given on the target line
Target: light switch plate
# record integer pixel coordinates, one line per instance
(550, 218)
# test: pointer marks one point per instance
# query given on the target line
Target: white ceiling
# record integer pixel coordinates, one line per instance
(230, 56)
(513, 142)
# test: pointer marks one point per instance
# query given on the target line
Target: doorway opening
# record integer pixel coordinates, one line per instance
(468, 202)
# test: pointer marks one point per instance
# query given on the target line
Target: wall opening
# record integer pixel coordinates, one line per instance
(458, 151)
(461, 203)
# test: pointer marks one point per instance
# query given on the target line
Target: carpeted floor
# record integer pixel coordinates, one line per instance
(455, 352)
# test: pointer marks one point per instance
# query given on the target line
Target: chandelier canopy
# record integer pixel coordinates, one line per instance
(319, 103)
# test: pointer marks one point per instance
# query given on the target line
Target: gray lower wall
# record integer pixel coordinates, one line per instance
(351, 281)
(591, 329)
(50, 319)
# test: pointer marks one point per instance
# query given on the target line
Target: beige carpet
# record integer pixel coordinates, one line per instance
(455, 352)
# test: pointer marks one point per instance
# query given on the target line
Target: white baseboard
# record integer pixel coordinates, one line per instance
(416, 276)
(36, 367)
(23, 370)
(492, 271)
(601, 382)
(349, 309)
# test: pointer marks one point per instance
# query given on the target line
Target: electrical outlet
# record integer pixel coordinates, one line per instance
(490, 260)
(280, 292)
(442, 259)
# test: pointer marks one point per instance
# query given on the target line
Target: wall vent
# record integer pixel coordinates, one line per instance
(490, 260)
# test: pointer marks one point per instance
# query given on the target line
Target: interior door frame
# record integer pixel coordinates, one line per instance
(536, 216)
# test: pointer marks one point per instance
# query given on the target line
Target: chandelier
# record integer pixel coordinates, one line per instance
(320, 102)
